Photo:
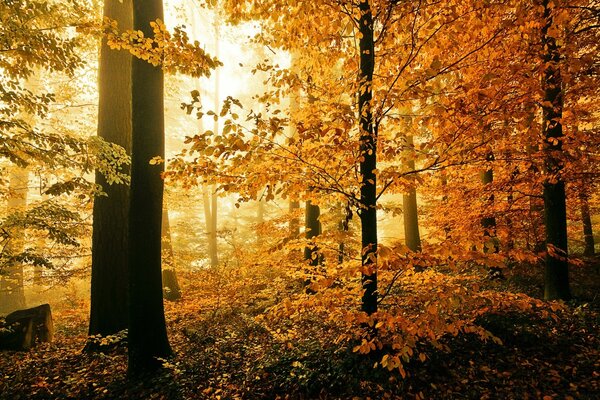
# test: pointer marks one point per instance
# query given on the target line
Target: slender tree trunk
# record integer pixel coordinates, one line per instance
(109, 288)
(12, 291)
(588, 232)
(147, 329)
(412, 237)
(555, 211)
(171, 289)
(410, 211)
(212, 238)
(368, 162)
(510, 242)
(312, 230)
(444, 183)
(345, 214)
(488, 222)
(260, 219)
(210, 217)
(294, 206)
(536, 236)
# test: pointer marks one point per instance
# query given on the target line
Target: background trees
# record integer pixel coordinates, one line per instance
(40, 59)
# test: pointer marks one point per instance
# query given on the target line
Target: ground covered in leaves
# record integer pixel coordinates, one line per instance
(224, 352)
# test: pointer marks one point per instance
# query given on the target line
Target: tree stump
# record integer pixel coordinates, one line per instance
(23, 329)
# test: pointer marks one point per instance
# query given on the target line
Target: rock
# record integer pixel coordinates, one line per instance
(171, 289)
(23, 329)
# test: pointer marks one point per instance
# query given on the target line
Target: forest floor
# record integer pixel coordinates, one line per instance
(226, 354)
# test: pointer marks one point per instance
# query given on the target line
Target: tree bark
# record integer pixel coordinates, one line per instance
(488, 220)
(412, 237)
(147, 339)
(312, 230)
(171, 289)
(12, 291)
(260, 219)
(555, 211)
(210, 217)
(588, 232)
(344, 217)
(109, 288)
(368, 161)
(294, 206)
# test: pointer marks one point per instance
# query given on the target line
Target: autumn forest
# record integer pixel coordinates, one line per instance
(324, 199)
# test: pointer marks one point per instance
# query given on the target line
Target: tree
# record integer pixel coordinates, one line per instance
(555, 210)
(410, 211)
(171, 289)
(108, 313)
(368, 159)
(37, 36)
(210, 216)
(586, 219)
(488, 219)
(312, 229)
(12, 291)
(147, 340)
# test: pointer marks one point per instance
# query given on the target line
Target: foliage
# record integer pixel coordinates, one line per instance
(223, 351)
(172, 51)
(458, 116)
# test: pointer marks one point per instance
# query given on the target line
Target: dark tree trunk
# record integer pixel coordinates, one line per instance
(510, 242)
(588, 232)
(368, 162)
(294, 206)
(488, 220)
(343, 227)
(147, 329)
(260, 220)
(412, 237)
(108, 313)
(444, 183)
(171, 289)
(312, 230)
(555, 212)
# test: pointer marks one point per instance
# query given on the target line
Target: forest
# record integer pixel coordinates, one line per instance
(299, 199)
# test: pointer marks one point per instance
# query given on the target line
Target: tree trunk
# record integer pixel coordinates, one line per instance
(488, 222)
(368, 162)
(147, 339)
(444, 183)
(210, 217)
(12, 293)
(171, 289)
(294, 206)
(412, 238)
(260, 219)
(109, 288)
(212, 237)
(588, 232)
(344, 217)
(312, 230)
(555, 211)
